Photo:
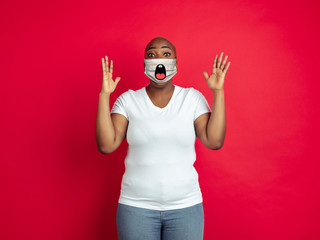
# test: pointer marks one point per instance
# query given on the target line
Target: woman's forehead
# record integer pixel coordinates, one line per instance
(159, 44)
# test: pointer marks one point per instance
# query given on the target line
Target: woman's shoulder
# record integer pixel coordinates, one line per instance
(189, 91)
(130, 93)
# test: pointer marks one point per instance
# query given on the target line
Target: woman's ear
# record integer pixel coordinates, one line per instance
(176, 63)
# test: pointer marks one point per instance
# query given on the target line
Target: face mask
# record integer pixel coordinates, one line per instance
(160, 70)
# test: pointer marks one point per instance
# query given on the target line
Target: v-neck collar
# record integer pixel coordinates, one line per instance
(156, 107)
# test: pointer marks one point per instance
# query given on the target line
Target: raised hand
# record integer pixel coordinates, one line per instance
(108, 85)
(216, 80)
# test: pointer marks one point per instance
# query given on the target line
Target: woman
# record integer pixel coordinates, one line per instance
(160, 194)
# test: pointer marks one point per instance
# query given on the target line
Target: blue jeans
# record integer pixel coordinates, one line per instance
(135, 223)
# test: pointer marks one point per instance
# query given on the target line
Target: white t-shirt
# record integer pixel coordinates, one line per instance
(159, 172)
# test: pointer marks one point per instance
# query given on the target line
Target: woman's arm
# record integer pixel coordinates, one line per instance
(110, 129)
(211, 127)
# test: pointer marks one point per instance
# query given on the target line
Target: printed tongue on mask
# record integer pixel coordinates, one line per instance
(160, 75)
(160, 72)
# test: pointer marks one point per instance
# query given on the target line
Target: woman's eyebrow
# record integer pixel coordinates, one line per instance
(161, 47)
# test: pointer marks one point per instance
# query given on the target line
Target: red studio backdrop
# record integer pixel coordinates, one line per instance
(262, 184)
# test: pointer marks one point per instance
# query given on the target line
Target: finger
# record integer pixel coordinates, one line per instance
(224, 62)
(103, 65)
(107, 66)
(205, 74)
(117, 80)
(219, 61)
(215, 62)
(111, 66)
(226, 69)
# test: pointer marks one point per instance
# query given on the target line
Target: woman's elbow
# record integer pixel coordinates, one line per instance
(105, 150)
(216, 146)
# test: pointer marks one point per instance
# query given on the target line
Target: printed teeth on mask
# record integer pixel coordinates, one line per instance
(160, 72)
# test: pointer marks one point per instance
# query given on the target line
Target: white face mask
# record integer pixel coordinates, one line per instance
(160, 70)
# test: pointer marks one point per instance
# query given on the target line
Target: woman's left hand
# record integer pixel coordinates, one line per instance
(216, 79)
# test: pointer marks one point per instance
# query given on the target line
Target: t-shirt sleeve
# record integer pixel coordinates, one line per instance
(202, 105)
(120, 106)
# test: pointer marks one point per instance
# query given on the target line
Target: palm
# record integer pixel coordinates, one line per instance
(108, 85)
(216, 79)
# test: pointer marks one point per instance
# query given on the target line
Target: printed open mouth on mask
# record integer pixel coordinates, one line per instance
(160, 72)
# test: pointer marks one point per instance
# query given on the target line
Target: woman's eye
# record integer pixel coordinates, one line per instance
(167, 54)
(150, 55)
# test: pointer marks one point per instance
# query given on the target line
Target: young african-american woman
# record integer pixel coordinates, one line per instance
(160, 196)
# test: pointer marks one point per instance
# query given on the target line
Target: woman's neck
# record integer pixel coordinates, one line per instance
(157, 91)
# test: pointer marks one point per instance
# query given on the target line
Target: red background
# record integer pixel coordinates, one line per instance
(263, 183)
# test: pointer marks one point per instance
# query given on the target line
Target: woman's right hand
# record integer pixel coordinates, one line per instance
(108, 85)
